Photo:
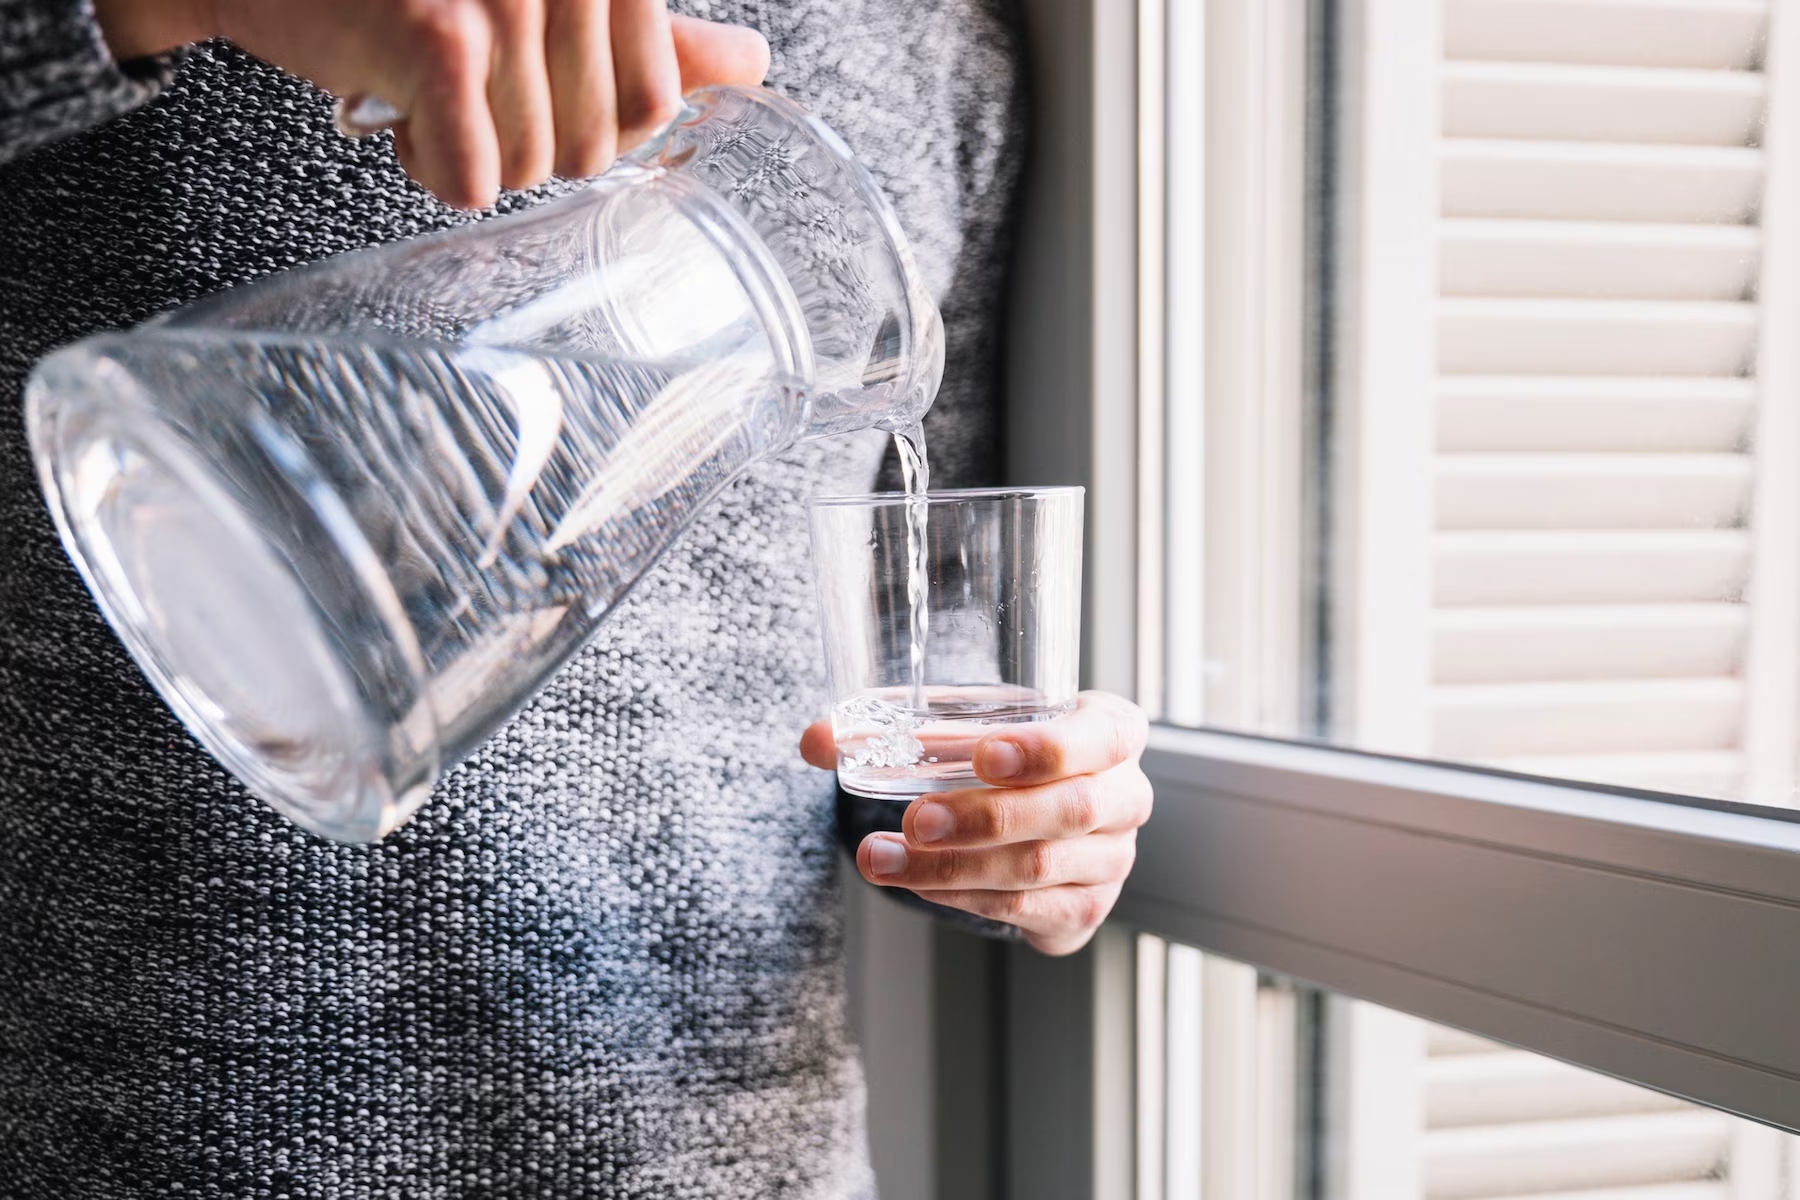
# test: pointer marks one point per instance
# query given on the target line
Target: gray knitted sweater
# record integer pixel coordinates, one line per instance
(604, 961)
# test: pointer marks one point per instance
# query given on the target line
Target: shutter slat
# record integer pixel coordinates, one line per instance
(1658, 1191)
(1487, 1089)
(1601, 104)
(1507, 336)
(1597, 259)
(1561, 567)
(1485, 177)
(1592, 491)
(1656, 33)
(1539, 644)
(1574, 413)
(1540, 1156)
(1488, 721)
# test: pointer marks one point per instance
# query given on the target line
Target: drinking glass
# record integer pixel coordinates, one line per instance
(1002, 590)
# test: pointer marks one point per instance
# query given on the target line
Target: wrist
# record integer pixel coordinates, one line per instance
(142, 28)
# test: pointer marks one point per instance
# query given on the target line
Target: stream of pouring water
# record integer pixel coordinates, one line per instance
(915, 475)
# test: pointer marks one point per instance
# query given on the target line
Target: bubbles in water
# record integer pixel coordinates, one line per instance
(888, 733)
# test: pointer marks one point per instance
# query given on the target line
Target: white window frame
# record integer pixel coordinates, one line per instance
(1655, 941)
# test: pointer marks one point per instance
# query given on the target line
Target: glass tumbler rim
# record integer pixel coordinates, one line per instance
(947, 496)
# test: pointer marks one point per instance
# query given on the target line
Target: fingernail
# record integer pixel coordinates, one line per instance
(1001, 760)
(932, 823)
(887, 856)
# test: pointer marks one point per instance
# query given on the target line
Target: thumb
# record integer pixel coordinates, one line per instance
(711, 53)
(818, 747)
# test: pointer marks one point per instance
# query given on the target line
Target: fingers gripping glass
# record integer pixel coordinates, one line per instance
(1002, 640)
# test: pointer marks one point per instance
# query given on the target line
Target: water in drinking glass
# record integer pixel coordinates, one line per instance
(891, 748)
(999, 571)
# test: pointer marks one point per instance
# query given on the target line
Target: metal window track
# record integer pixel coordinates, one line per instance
(1651, 939)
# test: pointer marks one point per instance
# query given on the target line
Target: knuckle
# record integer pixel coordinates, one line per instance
(515, 14)
(1039, 866)
(1011, 906)
(1121, 736)
(588, 151)
(527, 164)
(645, 109)
(1138, 725)
(969, 902)
(1126, 856)
(462, 188)
(1091, 908)
(450, 35)
(979, 903)
(1002, 818)
(982, 904)
(946, 866)
(1081, 804)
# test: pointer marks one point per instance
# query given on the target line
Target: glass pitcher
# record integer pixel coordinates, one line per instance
(349, 518)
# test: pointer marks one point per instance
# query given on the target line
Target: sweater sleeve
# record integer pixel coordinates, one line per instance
(57, 77)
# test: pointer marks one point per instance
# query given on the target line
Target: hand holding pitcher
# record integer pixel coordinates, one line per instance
(494, 93)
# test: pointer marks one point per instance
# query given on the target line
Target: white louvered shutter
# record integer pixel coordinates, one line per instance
(1611, 530)
(1599, 265)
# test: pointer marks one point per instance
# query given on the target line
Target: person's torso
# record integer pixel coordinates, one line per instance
(604, 959)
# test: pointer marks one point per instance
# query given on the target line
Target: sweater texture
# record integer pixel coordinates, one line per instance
(605, 959)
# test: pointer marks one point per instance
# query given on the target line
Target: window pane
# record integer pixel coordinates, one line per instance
(1496, 413)
(1256, 1088)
